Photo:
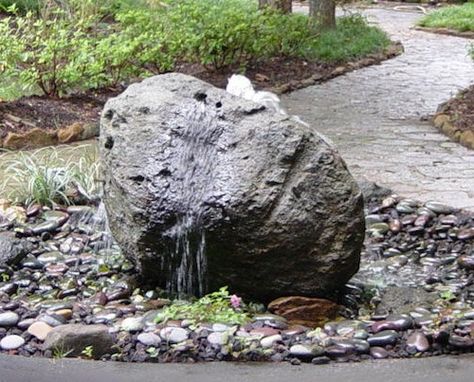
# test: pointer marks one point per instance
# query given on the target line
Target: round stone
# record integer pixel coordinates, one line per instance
(378, 352)
(466, 234)
(50, 257)
(149, 339)
(268, 342)
(218, 338)
(8, 319)
(39, 330)
(11, 342)
(174, 335)
(438, 208)
(386, 337)
(418, 341)
(219, 327)
(306, 352)
(132, 324)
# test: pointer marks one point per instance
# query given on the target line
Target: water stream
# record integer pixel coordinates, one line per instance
(188, 266)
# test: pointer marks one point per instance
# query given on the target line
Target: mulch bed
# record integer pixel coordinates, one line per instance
(278, 75)
(456, 118)
(48, 113)
(461, 110)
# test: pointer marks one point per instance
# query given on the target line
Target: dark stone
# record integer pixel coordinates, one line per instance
(269, 194)
(399, 300)
(12, 249)
(75, 338)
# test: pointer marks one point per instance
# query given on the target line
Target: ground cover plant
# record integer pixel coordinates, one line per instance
(216, 307)
(459, 17)
(70, 46)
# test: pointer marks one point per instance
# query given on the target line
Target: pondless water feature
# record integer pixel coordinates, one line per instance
(197, 179)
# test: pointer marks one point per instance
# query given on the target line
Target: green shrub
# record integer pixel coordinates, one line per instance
(460, 18)
(22, 6)
(71, 47)
(52, 53)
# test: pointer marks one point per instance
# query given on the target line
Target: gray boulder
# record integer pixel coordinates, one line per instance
(204, 189)
(73, 339)
(12, 249)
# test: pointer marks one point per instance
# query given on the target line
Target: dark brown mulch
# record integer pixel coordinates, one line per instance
(269, 74)
(460, 110)
(47, 113)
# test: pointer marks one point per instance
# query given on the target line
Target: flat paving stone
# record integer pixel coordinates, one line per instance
(373, 114)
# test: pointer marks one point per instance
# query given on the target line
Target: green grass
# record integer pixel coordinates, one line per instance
(353, 38)
(459, 17)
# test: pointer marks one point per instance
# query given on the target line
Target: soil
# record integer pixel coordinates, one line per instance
(460, 110)
(280, 74)
(51, 114)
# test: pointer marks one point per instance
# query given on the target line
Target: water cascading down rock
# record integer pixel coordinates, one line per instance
(205, 189)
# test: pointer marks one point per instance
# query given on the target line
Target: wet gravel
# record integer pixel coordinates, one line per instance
(413, 296)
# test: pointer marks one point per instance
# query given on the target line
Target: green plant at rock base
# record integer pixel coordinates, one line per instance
(153, 352)
(447, 295)
(60, 352)
(88, 351)
(460, 18)
(212, 308)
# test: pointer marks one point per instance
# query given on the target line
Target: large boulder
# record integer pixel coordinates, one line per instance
(197, 179)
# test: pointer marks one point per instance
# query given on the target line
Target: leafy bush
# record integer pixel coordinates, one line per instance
(52, 53)
(72, 47)
(212, 308)
(460, 18)
(22, 6)
(50, 177)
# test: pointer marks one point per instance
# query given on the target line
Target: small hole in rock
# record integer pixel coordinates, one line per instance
(219, 105)
(109, 143)
(200, 96)
(109, 114)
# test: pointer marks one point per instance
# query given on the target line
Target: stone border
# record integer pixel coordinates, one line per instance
(443, 122)
(393, 50)
(37, 138)
(446, 31)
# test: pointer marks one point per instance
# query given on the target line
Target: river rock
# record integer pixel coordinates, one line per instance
(40, 330)
(306, 311)
(257, 189)
(8, 319)
(74, 338)
(13, 250)
(11, 342)
(399, 300)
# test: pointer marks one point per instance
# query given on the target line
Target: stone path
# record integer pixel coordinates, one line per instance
(373, 114)
(433, 369)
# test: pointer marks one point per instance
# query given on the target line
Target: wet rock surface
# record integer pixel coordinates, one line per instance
(229, 178)
(93, 307)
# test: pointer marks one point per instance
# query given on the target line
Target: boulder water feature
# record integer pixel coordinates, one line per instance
(205, 189)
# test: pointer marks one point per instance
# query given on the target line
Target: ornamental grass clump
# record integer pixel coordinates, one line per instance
(51, 177)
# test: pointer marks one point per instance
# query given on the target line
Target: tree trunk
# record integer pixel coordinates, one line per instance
(282, 5)
(324, 12)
